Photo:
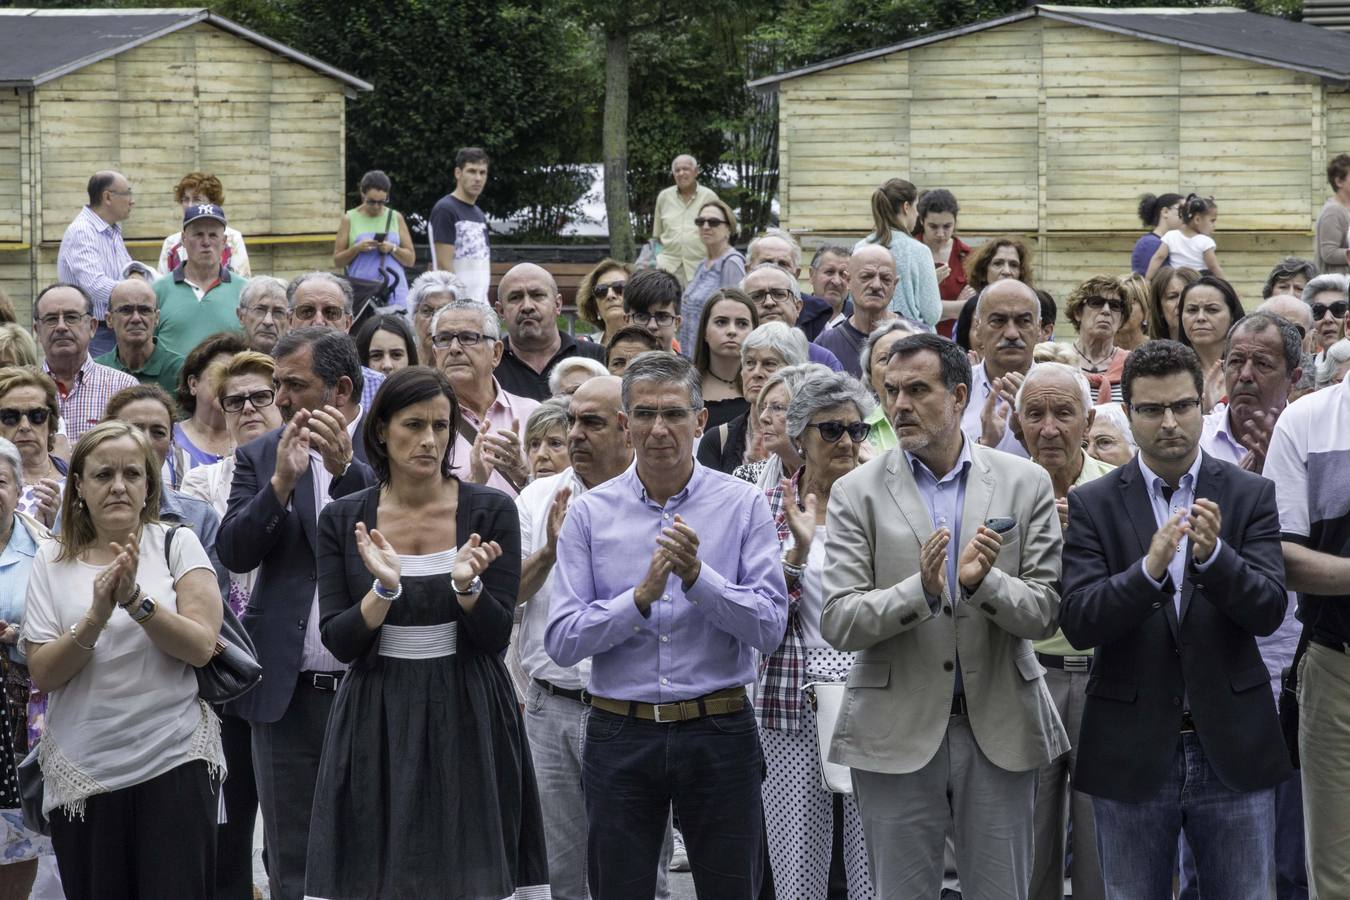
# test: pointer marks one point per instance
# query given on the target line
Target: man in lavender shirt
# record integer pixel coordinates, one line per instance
(672, 648)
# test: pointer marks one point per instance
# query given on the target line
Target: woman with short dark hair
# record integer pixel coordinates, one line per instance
(1209, 307)
(373, 242)
(386, 344)
(425, 786)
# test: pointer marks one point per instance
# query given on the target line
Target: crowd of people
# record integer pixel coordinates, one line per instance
(551, 615)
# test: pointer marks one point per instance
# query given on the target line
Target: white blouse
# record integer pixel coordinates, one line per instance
(132, 713)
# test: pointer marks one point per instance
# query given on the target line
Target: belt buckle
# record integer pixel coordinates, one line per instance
(323, 681)
(1077, 663)
(656, 712)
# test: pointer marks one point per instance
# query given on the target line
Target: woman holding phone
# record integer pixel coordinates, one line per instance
(373, 239)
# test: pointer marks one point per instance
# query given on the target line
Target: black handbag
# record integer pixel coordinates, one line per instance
(234, 669)
(31, 793)
(1288, 706)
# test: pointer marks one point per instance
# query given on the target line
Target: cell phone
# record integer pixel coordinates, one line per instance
(380, 236)
(1000, 524)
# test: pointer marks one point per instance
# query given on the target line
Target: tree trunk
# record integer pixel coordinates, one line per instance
(614, 143)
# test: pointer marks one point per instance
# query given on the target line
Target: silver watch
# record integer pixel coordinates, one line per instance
(475, 587)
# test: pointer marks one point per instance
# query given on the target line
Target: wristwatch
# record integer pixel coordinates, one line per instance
(144, 611)
(475, 587)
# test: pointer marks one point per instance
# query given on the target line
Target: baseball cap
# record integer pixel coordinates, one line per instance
(203, 211)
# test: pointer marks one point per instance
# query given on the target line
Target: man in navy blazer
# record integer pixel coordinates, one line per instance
(1172, 568)
(281, 482)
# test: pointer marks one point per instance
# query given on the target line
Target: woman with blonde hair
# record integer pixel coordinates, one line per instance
(17, 347)
(894, 216)
(120, 610)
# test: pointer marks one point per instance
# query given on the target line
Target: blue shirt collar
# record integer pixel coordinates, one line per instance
(21, 543)
(920, 468)
(638, 488)
(1186, 482)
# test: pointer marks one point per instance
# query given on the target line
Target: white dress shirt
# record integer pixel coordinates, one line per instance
(533, 505)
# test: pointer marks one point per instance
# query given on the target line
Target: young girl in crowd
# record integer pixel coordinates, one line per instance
(1192, 245)
(1161, 214)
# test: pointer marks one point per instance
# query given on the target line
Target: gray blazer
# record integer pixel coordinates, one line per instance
(900, 688)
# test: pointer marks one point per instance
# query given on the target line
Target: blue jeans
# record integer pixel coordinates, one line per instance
(1231, 833)
(709, 769)
(1291, 871)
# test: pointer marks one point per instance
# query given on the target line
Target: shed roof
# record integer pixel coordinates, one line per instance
(44, 44)
(1221, 30)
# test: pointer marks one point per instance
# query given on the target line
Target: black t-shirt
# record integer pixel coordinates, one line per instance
(517, 377)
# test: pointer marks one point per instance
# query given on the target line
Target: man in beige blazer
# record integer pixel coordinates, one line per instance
(947, 717)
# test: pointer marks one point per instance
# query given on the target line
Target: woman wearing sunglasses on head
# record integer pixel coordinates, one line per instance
(1097, 308)
(600, 299)
(28, 417)
(825, 422)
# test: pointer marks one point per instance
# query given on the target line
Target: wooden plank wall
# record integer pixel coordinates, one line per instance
(1052, 131)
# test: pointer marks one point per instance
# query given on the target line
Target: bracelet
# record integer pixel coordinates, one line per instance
(378, 590)
(135, 595)
(77, 640)
(792, 571)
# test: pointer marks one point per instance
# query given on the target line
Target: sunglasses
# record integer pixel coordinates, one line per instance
(10, 417)
(1337, 310)
(711, 223)
(1116, 306)
(233, 403)
(602, 290)
(833, 430)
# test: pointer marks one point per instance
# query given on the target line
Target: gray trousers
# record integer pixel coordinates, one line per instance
(1057, 803)
(555, 728)
(905, 820)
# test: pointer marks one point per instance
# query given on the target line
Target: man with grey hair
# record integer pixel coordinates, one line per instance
(263, 312)
(324, 300)
(1007, 325)
(778, 298)
(871, 272)
(426, 295)
(529, 302)
(828, 303)
(674, 235)
(1054, 405)
(466, 341)
(672, 642)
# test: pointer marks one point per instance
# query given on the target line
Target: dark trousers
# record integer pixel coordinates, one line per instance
(234, 838)
(286, 765)
(154, 839)
(709, 769)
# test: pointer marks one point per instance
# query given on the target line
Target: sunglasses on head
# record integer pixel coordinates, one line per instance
(1337, 310)
(36, 416)
(833, 430)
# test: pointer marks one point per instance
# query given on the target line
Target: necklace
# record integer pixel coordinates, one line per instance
(1094, 365)
(728, 383)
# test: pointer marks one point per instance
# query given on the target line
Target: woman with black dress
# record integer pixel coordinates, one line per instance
(425, 788)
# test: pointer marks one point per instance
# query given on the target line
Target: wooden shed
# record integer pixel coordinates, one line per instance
(1050, 122)
(155, 94)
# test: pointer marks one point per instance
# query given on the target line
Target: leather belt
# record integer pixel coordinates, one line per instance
(718, 703)
(959, 707)
(1330, 641)
(1067, 663)
(548, 687)
(1187, 723)
(322, 681)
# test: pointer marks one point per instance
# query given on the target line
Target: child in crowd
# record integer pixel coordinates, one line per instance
(1192, 245)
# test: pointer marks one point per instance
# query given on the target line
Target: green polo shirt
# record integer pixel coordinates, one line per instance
(161, 368)
(184, 321)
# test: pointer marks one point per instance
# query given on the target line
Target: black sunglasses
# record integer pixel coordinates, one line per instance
(602, 290)
(10, 417)
(1337, 310)
(711, 223)
(1117, 306)
(833, 430)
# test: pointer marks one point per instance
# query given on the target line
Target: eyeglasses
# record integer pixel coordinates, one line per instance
(662, 319)
(144, 312)
(710, 223)
(442, 340)
(1156, 411)
(51, 320)
(778, 295)
(1337, 310)
(603, 290)
(1116, 306)
(233, 403)
(370, 202)
(833, 430)
(37, 416)
(674, 415)
(776, 409)
(262, 312)
(126, 193)
(330, 313)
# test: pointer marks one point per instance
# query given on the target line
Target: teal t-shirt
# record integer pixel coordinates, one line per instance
(184, 321)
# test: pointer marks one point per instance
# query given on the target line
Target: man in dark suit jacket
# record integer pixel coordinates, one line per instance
(281, 481)
(1172, 568)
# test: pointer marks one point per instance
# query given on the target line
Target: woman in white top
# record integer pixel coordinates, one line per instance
(194, 189)
(1192, 245)
(114, 623)
(825, 420)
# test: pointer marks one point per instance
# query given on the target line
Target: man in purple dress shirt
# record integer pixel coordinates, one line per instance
(672, 648)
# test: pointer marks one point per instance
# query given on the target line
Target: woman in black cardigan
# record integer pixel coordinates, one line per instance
(425, 787)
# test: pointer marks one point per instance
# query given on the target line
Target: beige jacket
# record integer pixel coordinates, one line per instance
(899, 695)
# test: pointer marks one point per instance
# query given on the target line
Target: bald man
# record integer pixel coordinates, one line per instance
(677, 245)
(132, 315)
(529, 302)
(1007, 325)
(871, 279)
